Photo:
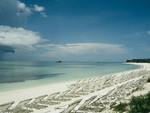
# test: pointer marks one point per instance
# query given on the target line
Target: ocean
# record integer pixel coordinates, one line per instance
(18, 75)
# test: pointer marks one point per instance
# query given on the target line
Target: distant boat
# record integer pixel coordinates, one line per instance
(58, 61)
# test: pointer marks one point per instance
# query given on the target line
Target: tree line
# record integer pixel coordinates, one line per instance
(139, 60)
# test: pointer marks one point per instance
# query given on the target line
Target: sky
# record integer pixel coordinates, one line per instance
(74, 30)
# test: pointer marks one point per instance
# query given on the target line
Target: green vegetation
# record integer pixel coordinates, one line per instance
(121, 107)
(139, 60)
(139, 104)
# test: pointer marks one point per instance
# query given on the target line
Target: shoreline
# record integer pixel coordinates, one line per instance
(4, 87)
(64, 82)
(33, 92)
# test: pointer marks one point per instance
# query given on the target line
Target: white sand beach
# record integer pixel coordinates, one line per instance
(19, 95)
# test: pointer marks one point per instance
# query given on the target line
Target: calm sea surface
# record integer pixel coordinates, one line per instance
(17, 75)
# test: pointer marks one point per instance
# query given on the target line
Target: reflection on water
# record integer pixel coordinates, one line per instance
(23, 78)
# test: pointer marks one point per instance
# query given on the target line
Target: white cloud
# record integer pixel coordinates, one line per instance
(15, 13)
(12, 13)
(148, 32)
(22, 9)
(138, 34)
(43, 14)
(147, 49)
(39, 8)
(83, 49)
(18, 38)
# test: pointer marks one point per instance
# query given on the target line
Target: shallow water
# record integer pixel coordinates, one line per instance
(17, 75)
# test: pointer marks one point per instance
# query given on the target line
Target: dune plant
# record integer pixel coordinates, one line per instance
(139, 104)
(120, 107)
(148, 80)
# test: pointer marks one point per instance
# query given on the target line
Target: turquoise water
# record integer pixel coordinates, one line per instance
(17, 75)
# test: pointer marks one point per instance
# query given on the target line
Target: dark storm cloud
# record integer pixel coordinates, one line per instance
(6, 49)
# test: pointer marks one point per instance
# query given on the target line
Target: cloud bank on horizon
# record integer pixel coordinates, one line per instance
(73, 30)
(58, 50)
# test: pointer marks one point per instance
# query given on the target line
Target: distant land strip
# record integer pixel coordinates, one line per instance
(139, 60)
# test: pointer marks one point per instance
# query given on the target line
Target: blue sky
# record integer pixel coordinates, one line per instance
(74, 30)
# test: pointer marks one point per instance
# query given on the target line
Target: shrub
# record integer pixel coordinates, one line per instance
(139, 104)
(121, 107)
(148, 80)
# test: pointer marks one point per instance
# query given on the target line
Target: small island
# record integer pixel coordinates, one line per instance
(139, 61)
(58, 61)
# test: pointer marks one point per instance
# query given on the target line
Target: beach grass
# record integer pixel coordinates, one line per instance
(121, 107)
(148, 80)
(139, 104)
